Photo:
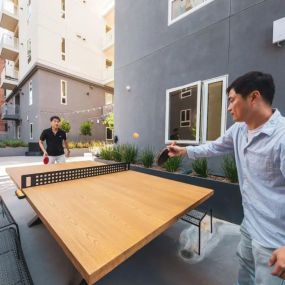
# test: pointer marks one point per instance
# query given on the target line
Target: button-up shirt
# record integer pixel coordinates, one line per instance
(261, 172)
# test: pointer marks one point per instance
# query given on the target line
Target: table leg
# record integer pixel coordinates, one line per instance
(34, 221)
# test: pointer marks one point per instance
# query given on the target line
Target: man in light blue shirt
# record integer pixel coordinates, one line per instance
(257, 140)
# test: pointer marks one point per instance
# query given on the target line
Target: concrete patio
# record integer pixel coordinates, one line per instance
(165, 261)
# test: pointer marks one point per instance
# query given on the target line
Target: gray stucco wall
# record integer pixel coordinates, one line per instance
(47, 102)
(222, 38)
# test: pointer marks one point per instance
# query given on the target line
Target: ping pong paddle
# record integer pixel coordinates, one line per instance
(45, 160)
(162, 157)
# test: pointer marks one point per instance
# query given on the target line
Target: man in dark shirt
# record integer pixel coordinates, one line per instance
(54, 137)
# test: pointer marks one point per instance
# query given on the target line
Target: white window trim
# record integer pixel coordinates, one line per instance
(186, 121)
(106, 134)
(170, 21)
(63, 53)
(168, 91)
(61, 93)
(183, 97)
(18, 128)
(30, 97)
(31, 133)
(206, 83)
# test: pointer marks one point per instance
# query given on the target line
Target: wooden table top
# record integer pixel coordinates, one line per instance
(101, 221)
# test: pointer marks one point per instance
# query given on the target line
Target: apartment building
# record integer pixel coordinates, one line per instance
(181, 55)
(3, 124)
(58, 61)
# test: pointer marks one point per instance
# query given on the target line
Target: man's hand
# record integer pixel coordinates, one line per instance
(68, 153)
(278, 259)
(175, 150)
(45, 153)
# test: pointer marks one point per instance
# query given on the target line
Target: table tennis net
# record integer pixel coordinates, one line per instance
(38, 179)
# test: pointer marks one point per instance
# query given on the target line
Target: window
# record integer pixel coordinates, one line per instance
(185, 92)
(29, 50)
(178, 9)
(18, 132)
(31, 93)
(31, 131)
(63, 49)
(63, 9)
(214, 104)
(185, 118)
(108, 98)
(29, 11)
(183, 113)
(196, 113)
(63, 92)
(109, 63)
(109, 134)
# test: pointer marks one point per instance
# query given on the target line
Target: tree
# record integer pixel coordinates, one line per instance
(86, 128)
(65, 125)
(109, 121)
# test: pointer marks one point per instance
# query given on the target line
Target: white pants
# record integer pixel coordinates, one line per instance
(56, 159)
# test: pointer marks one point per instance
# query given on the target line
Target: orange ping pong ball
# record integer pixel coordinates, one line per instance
(136, 135)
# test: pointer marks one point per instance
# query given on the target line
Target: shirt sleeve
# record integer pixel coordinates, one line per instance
(64, 136)
(43, 136)
(223, 145)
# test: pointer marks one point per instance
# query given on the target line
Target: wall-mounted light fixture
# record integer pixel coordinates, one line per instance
(128, 88)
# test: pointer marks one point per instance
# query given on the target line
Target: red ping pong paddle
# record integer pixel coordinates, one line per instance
(162, 157)
(45, 160)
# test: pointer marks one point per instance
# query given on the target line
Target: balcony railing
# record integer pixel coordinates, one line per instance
(10, 112)
(10, 41)
(9, 78)
(109, 74)
(109, 39)
(10, 7)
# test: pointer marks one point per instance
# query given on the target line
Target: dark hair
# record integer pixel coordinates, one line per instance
(254, 80)
(54, 117)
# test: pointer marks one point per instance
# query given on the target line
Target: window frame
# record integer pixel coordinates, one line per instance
(185, 121)
(18, 131)
(30, 86)
(224, 79)
(29, 51)
(168, 91)
(61, 92)
(62, 9)
(63, 52)
(31, 131)
(107, 132)
(185, 14)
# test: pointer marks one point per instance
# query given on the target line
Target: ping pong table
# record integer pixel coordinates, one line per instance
(102, 214)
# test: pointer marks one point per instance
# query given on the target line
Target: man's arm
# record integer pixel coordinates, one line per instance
(221, 146)
(67, 147)
(278, 259)
(41, 144)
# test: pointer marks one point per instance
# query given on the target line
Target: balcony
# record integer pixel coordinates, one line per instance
(108, 75)
(10, 112)
(109, 39)
(9, 15)
(107, 109)
(9, 47)
(9, 78)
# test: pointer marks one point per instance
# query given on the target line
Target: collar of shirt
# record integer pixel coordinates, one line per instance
(268, 126)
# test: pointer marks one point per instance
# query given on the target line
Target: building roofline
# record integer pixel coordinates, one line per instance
(40, 66)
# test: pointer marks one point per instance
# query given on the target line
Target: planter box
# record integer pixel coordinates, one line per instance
(13, 151)
(226, 201)
(78, 151)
